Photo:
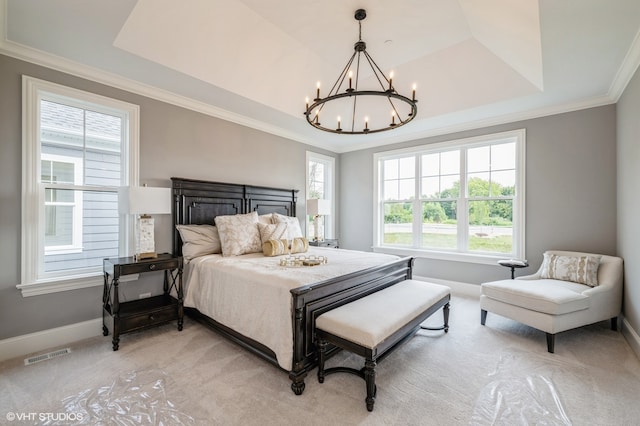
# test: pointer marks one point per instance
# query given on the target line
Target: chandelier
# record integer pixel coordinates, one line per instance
(362, 111)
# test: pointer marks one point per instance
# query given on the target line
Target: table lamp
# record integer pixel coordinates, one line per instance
(317, 207)
(143, 201)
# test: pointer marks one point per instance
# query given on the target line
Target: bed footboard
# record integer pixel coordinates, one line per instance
(311, 301)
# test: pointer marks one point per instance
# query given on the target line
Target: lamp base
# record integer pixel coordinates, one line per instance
(145, 244)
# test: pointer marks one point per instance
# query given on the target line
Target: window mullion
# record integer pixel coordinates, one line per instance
(463, 205)
(417, 205)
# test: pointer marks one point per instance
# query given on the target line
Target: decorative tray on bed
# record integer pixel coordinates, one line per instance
(302, 260)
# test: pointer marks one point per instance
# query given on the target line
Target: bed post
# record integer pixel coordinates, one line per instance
(298, 372)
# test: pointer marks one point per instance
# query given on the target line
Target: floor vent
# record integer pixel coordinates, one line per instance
(44, 357)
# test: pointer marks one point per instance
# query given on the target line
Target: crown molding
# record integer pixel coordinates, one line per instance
(593, 102)
(627, 69)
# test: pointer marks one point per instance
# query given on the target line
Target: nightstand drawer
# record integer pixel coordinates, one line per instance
(138, 268)
(158, 310)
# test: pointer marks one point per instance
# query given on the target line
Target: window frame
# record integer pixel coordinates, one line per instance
(519, 222)
(76, 245)
(33, 282)
(329, 188)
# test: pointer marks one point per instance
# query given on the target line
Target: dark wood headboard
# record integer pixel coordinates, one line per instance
(198, 202)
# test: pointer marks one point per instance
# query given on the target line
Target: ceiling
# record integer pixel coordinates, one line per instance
(474, 62)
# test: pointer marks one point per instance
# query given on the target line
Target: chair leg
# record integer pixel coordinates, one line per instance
(551, 339)
(483, 316)
(614, 323)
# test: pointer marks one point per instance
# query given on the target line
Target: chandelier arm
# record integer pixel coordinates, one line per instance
(376, 69)
(342, 76)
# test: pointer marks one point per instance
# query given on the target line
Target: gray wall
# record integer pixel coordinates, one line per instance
(628, 116)
(570, 191)
(571, 186)
(173, 142)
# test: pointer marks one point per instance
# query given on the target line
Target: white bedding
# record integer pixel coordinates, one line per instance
(250, 293)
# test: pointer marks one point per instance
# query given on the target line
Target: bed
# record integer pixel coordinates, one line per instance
(197, 202)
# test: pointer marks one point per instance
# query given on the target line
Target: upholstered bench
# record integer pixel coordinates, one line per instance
(372, 326)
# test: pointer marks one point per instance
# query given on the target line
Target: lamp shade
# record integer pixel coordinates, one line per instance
(144, 200)
(318, 207)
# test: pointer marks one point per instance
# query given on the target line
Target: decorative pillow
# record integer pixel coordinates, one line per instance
(239, 234)
(578, 269)
(265, 218)
(294, 225)
(274, 231)
(299, 245)
(275, 247)
(198, 240)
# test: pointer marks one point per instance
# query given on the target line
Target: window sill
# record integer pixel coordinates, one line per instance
(39, 288)
(484, 259)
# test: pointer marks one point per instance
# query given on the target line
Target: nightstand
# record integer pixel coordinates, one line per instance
(141, 313)
(325, 243)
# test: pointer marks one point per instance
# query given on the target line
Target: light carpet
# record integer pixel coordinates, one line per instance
(496, 374)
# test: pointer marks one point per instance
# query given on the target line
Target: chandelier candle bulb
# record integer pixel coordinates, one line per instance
(413, 97)
(393, 118)
(318, 92)
(350, 76)
(391, 81)
(306, 100)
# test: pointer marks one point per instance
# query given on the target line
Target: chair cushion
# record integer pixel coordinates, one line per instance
(370, 320)
(552, 297)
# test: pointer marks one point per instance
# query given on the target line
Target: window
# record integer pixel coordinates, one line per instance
(458, 200)
(78, 148)
(320, 184)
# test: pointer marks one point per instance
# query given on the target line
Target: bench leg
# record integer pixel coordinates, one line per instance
(483, 316)
(445, 326)
(322, 352)
(370, 380)
(445, 313)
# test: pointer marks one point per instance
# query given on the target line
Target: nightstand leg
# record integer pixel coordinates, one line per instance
(116, 315)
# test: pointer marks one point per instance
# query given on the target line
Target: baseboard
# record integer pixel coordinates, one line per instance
(631, 336)
(457, 287)
(47, 339)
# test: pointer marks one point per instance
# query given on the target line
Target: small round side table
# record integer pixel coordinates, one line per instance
(513, 264)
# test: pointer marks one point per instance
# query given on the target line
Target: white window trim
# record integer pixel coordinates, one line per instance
(32, 241)
(329, 222)
(518, 205)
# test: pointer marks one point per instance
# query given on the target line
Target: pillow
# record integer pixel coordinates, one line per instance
(265, 218)
(198, 240)
(274, 231)
(578, 269)
(275, 247)
(281, 246)
(294, 225)
(299, 245)
(239, 234)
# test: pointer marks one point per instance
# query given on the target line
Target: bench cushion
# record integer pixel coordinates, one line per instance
(370, 320)
(552, 297)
